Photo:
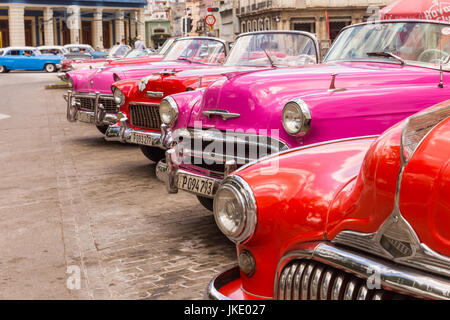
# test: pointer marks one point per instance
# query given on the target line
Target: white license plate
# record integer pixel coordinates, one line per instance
(200, 186)
(85, 117)
(139, 138)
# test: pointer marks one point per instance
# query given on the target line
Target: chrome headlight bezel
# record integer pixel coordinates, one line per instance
(70, 82)
(119, 96)
(296, 117)
(168, 111)
(243, 194)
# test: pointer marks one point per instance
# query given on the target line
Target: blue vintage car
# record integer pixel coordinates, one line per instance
(27, 58)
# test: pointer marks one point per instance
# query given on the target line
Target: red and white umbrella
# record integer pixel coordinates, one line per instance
(417, 9)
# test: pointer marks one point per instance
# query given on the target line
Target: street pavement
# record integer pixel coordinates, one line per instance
(82, 218)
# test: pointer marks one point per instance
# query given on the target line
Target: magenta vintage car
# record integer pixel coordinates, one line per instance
(140, 122)
(90, 98)
(375, 75)
(356, 219)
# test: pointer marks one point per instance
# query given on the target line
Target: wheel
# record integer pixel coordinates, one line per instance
(206, 203)
(153, 153)
(50, 67)
(3, 69)
(102, 129)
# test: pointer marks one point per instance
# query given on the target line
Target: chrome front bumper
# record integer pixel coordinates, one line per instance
(220, 281)
(99, 116)
(123, 133)
(169, 171)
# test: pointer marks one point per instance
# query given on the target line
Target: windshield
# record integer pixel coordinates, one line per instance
(118, 51)
(273, 49)
(405, 42)
(206, 51)
(136, 53)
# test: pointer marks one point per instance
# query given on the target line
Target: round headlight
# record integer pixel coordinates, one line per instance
(119, 97)
(168, 111)
(235, 209)
(296, 117)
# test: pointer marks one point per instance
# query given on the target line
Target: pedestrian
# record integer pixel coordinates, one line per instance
(138, 44)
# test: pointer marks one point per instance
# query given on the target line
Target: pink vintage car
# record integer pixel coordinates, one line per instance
(140, 122)
(90, 98)
(375, 75)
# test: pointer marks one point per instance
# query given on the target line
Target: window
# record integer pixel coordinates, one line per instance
(306, 24)
(14, 53)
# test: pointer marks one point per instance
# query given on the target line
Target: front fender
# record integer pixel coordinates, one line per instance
(187, 102)
(294, 192)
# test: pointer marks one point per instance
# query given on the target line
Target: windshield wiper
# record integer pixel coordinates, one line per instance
(270, 59)
(386, 55)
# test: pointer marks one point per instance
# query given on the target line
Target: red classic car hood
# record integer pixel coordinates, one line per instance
(101, 79)
(192, 78)
(253, 92)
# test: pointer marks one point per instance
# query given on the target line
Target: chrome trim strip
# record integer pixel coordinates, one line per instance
(404, 280)
(151, 104)
(221, 113)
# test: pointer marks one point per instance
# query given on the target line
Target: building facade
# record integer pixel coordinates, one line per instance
(157, 23)
(58, 22)
(325, 18)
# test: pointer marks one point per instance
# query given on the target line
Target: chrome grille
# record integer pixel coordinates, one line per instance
(312, 280)
(145, 116)
(88, 104)
(217, 147)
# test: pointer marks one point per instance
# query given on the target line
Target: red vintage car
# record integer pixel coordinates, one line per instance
(141, 111)
(357, 219)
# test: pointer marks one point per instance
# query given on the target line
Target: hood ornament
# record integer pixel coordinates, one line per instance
(333, 84)
(221, 113)
(143, 83)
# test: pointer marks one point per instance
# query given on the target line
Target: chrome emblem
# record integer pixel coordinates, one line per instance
(143, 83)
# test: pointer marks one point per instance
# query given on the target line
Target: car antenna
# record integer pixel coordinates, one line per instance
(441, 71)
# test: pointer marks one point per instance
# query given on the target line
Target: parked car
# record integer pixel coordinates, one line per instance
(370, 80)
(355, 219)
(140, 121)
(131, 57)
(79, 53)
(83, 51)
(91, 99)
(27, 58)
(55, 50)
(116, 52)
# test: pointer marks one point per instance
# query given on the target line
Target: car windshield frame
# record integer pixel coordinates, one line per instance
(191, 39)
(166, 46)
(270, 62)
(386, 56)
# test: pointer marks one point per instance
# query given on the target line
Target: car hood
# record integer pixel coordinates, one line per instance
(187, 78)
(260, 93)
(137, 60)
(101, 79)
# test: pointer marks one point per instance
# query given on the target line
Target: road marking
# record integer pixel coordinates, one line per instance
(4, 116)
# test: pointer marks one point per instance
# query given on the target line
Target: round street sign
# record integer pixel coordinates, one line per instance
(210, 20)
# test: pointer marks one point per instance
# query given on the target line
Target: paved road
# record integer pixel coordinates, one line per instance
(71, 203)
